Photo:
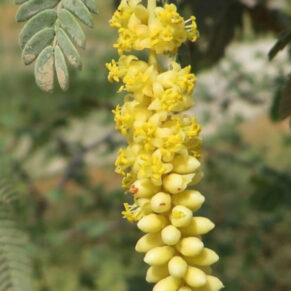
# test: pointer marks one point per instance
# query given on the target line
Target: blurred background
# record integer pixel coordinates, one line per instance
(59, 151)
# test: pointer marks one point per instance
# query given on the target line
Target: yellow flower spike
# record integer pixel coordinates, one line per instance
(195, 277)
(177, 267)
(171, 235)
(190, 246)
(157, 273)
(168, 284)
(148, 242)
(206, 258)
(161, 202)
(163, 155)
(213, 284)
(181, 216)
(185, 164)
(191, 199)
(198, 226)
(152, 223)
(159, 255)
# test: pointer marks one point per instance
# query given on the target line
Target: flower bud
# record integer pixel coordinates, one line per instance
(159, 255)
(148, 242)
(145, 205)
(156, 273)
(143, 188)
(206, 258)
(168, 284)
(192, 199)
(152, 223)
(198, 226)
(185, 164)
(170, 235)
(190, 246)
(161, 202)
(213, 284)
(177, 267)
(181, 216)
(195, 277)
(175, 183)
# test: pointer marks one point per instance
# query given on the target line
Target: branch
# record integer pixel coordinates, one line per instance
(77, 160)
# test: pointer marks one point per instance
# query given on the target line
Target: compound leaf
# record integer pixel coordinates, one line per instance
(42, 20)
(32, 7)
(79, 9)
(72, 27)
(69, 49)
(61, 69)
(15, 264)
(50, 36)
(36, 44)
(91, 5)
(44, 69)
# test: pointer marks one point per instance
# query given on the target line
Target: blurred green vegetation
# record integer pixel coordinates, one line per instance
(58, 149)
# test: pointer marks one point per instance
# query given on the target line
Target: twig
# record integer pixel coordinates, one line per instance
(78, 158)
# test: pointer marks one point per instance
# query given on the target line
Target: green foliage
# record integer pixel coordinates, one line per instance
(50, 35)
(221, 22)
(15, 265)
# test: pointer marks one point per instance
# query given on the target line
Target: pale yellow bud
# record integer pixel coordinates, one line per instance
(170, 235)
(161, 202)
(205, 258)
(185, 288)
(156, 273)
(213, 284)
(143, 188)
(152, 223)
(195, 277)
(177, 267)
(197, 178)
(190, 246)
(175, 183)
(190, 198)
(159, 255)
(168, 284)
(185, 164)
(197, 226)
(181, 216)
(148, 242)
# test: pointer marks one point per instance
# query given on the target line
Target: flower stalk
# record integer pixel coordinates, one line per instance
(162, 159)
